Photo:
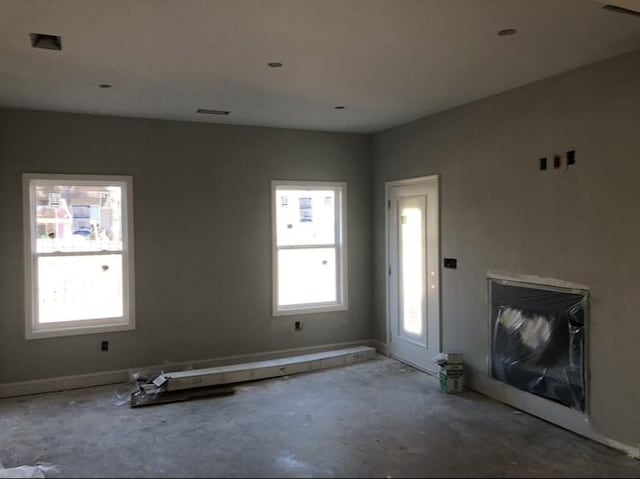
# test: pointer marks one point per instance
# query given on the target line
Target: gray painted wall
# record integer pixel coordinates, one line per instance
(203, 288)
(499, 212)
(202, 231)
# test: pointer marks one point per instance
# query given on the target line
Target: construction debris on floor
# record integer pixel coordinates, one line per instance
(27, 472)
(165, 387)
(375, 418)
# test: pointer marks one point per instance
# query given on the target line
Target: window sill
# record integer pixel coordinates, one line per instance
(78, 330)
(310, 310)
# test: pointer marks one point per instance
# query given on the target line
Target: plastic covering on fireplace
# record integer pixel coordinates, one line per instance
(537, 340)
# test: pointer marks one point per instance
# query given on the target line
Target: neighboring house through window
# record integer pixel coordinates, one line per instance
(309, 247)
(78, 254)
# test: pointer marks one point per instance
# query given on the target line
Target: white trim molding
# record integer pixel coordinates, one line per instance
(555, 413)
(381, 347)
(34, 328)
(434, 311)
(63, 383)
(340, 245)
(536, 280)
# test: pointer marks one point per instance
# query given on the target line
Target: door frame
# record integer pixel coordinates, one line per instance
(387, 186)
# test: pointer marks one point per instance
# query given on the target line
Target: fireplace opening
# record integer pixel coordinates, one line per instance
(538, 339)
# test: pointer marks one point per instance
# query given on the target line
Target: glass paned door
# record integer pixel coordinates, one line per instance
(413, 279)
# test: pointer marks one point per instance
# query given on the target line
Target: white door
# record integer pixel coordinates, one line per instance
(413, 286)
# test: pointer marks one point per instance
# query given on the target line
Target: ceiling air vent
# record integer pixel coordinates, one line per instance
(49, 42)
(205, 111)
(617, 9)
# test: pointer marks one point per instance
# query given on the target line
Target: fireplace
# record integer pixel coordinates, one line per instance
(538, 339)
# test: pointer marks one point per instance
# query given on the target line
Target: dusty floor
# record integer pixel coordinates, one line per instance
(374, 419)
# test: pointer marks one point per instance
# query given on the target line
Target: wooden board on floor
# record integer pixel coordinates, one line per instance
(272, 368)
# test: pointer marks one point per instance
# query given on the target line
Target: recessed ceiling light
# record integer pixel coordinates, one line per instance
(49, 42)
(340, 107)
(507, 31)
(274, 64)
(206, 111)
(104, 85)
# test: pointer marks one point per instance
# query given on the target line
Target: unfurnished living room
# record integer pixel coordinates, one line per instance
(319, 238)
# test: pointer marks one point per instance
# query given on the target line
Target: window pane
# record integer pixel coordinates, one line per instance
(78, 218)
(72, 288)
(305, 217)
(306, 276)
(412, 266)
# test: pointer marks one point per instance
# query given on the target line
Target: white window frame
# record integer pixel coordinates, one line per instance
(341, 303)
(36, 330)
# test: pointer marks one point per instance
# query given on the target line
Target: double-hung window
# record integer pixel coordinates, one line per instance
(309, 247)
(78, 254)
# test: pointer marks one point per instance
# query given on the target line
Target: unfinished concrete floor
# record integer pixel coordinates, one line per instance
(374, 419)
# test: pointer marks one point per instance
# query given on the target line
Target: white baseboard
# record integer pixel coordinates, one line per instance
(38, 386)
(539, 407)
(555, 413)
(381, 347)
(632, 452)
(63, 383)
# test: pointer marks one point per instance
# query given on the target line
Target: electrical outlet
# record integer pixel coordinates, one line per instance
(104, 346)
(298, 325)
(543, 164)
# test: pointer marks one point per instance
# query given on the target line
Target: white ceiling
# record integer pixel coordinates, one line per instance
(387, 61)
